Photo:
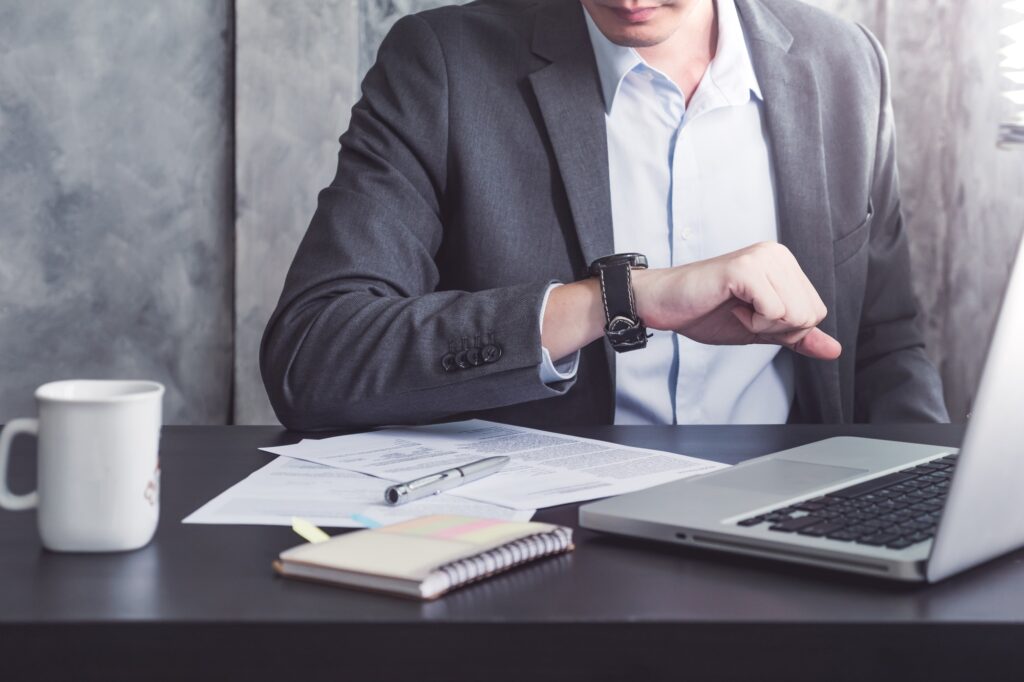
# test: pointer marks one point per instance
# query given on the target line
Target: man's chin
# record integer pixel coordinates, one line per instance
(637, 37)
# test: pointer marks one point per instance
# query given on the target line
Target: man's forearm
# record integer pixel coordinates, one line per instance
(574, 317)
(755, 295)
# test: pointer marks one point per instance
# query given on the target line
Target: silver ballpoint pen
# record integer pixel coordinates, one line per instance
(425, 486)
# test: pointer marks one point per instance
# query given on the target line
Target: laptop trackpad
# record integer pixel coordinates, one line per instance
(781, 476)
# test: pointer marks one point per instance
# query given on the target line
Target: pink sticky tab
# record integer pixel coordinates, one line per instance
(463, 529)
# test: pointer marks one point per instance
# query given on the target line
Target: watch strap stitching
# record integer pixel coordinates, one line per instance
(604, 297)
(629, 290)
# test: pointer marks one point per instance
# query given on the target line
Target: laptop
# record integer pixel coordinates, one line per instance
(902, 511)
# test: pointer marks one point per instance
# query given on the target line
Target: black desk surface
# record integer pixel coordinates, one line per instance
(202, 601)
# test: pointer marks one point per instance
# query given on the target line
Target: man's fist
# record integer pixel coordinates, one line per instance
(755, 295)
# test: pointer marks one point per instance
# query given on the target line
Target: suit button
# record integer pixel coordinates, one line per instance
(473, 357)
(490, 353)
(448, 362)
(461, 361)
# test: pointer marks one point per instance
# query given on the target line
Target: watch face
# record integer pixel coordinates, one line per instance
(633, 260)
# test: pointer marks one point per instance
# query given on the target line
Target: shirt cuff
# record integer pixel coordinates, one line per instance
(564, 369)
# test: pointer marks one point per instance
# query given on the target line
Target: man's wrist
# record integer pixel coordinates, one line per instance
(641, 292)
(573, 318)
(624, 327)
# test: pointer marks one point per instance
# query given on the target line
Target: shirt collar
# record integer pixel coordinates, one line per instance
(731, 71)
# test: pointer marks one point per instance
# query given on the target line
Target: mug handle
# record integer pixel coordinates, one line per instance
(9, 500)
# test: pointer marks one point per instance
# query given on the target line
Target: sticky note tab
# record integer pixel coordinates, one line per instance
(366, 521)
(308, 531)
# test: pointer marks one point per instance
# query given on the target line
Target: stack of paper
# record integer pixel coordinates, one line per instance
(328, 497)
(340, 481)
(546, 470)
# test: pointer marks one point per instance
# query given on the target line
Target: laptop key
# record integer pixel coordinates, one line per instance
(874, 484)
(900, 543)
(843, 535)
(796, 524)
(753, 521)
(878, 539)
(859, 530)
(821, 529)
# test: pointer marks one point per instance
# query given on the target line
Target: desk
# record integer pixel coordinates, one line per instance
(201, 601)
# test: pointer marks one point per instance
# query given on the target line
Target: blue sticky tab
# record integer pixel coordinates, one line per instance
(365, 520)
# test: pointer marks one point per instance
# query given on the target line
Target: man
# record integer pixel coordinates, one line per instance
(501, 148)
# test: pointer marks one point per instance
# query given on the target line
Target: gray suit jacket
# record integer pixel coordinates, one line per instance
(475, 171)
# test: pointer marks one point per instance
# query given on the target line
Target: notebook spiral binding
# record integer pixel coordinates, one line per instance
(502, 558)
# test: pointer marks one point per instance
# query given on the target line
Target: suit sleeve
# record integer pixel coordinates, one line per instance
(894, 381)
(360, 331)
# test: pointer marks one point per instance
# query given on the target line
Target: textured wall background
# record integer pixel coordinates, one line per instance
(962, 199)
(115, 199)
(295, 83)
(120, 254)
(378, 16)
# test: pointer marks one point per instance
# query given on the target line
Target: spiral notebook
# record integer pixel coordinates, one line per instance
(426, 557)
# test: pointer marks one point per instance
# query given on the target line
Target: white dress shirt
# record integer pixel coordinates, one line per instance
(689, 183)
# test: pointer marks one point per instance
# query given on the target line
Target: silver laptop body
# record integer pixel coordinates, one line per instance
(983, 516)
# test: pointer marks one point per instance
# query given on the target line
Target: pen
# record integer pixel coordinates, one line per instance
(425, 486)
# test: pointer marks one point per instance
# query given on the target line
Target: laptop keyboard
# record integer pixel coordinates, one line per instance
(895, 511)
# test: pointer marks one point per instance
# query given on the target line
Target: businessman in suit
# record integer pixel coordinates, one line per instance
(455, 266)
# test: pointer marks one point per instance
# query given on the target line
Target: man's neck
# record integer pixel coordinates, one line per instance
(685, 55)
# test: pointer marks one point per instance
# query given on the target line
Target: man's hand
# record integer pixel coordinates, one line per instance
(755, 295)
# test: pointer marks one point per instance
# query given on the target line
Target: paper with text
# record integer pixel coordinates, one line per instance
(328, 496)
(547, 469)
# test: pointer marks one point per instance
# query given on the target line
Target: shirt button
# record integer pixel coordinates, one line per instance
(687, 233)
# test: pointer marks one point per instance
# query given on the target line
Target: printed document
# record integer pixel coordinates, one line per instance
(547, 469)
(328, 497)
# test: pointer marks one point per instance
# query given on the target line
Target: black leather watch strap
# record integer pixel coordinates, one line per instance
(623, 327)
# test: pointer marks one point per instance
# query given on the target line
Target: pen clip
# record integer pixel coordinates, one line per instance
(427, 480)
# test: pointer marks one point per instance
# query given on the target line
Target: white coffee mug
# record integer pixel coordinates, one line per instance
(99, 469)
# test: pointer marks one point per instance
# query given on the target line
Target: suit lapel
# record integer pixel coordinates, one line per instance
(568, 92)
(793, 118)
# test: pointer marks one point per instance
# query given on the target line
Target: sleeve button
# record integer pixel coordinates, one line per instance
(490, 353)
(448, 362)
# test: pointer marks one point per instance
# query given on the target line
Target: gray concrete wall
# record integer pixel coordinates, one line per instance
(376, 19)
(295, 84)
(115, 199)
(962, 198)
(120, 253)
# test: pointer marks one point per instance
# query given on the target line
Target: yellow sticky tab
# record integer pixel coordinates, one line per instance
(308, 531)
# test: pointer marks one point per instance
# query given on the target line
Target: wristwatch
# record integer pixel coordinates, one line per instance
(623, 327)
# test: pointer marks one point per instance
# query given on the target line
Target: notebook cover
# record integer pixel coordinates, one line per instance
(412, 550)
